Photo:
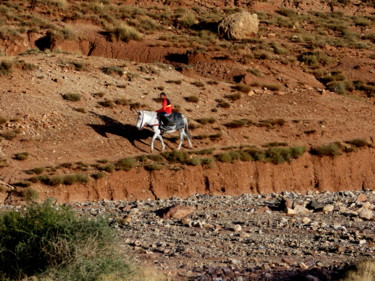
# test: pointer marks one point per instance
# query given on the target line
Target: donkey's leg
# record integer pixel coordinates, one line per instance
(156, 134)
(162, 142)
(182, 134)
(189, 140)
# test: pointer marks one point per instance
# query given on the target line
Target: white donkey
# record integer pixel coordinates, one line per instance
(149, 118)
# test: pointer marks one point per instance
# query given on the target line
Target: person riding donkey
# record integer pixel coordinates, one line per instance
(165, 113)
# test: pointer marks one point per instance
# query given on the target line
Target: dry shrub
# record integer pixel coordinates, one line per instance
(363, 271)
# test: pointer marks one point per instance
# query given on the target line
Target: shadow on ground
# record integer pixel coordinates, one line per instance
(127, 131)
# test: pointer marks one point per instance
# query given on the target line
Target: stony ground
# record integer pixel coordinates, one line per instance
(252, 237)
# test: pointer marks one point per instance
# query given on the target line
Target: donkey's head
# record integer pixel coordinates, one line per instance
(140, 120)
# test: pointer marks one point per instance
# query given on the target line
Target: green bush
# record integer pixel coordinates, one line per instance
(176, 156)
(98, 175)
(51, 242)
(224, 157)
(332, 149)
(126, 164)
(153, 167)
(194, 161)
(73, 178)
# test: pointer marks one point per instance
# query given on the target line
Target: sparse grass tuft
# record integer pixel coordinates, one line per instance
(107, 103)
(21, 156)
(332, 149)
(110, 70)
(30, 195)
(126, 164)
(233, 97)
(124, 33)
(238, 123)
(6, 67)
(358, 142)
(74, 178)
(153, 167)
(98, 175)
(72, 97)
(192, 98)
(204, 121)
(3, 120)
(176, 156)
(242, 88)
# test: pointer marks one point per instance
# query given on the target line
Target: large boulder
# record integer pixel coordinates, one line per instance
(239, 26)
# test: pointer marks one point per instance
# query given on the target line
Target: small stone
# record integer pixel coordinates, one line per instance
(291, 212)
(237, 228)
(366, 214)
(303, 266)
(363, 241)
(176, 212)
(328, 208)
(367, 205)
(299, 209)
(251, 93)
(361, 198)
(311, 278)
(306, 220)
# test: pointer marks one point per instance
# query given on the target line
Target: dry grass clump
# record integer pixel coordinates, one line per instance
(3, 120)
(238, 123)
(6, 67)
(315, 59)
(241, 88)
(21, 156)
(177, 82)
(111, 70)
(123, 33)
(30, 195)
(233, 97)
(332, 149)
(107, 103)
(270, 123)
(358, 142)
(72, 97)
(362, 271)
(204, 121)
(192, 98)
(126, 164)
(276, 155)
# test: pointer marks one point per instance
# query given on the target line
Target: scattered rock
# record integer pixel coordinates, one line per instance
(315, 205)
(361, 198)
(239, 26)
(328, 208)
(175, 212)
(366, 214)
(237, 228)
